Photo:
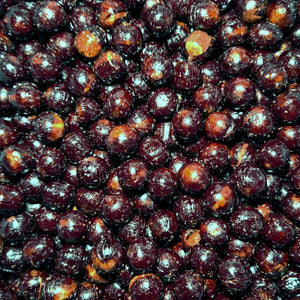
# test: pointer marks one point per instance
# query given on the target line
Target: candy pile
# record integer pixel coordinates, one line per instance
(149, 149)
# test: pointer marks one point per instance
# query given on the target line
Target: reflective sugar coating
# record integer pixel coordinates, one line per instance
(149, 149)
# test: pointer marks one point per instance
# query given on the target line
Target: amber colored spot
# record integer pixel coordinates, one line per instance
(63, 222)
(191, 238)
(265, 211)
(91, 78)
(5, 39)
(138, 277)
(141, 173)
(109, 201)
(79, 110)
(29, 251)
(278, 78)
(239, 253)
(108, 15)
(32, 118)
(213, 12)
(267, 165)
(183, 25)
(141, 124)
(216, 122)
(109, 21)
(242, 30)
(109, 265)
(241, 154)
(278, 267)
(14, 159)
(251, 15)
(284, 47)
(11, 219)
(86, 284)
(66, 291)
(197, 43)
(92, 158)
(87, 44)
(154, 72)
(48, 92)
(296, 198)
(114, 184)
(116, 113)
(37, 274)
(57, 128)
(224, 194)
(190, 174)
(100, 222)
(108, 56)
(115, 133)
(37, 59)
(277, 15)
(39, 294)
(264, 295)
(254, 113)
(92, 273)
(125, 42)
(34, 273)
(105, 266)
(20, 25)
(246, 191)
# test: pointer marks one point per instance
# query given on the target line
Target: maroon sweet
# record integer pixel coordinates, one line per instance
(157, 70)
(39, 250)
(194, 177)
(141, 253)
(273, 155)
(110, 13)
(240, 249)
(153, 152)
(107, 255)
(55, 285)
(203, 260)
(49, 127)
(92, 171)
(16, 159)
(276, 265)
(246, 223)
(279, 231)
(99, 132)
(109, 67)
(25, 97)
(115, 209)
(214, 232)
(207, 98)
(48, 16)
(122, 140)
(189, 285)
(220, 126)
(163, 225)
(229, 270)
(147, 285)
(71, 226)
(215, 156)
(162, 183)
(187, 124)
(189, 211)
(249, 179)
(220, 199)
(133, 174)
(75, 146)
